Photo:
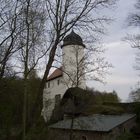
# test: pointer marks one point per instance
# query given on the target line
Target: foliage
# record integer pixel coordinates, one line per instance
(135, 95)
(84, 102)
(39, 131)
(135, 98)
(91, 96)
(11, 104)
(137, 111)
(104, 109)
(126, 136)
(102, 97)
(11, 95)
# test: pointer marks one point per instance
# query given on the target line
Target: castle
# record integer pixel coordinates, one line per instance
(71, 74)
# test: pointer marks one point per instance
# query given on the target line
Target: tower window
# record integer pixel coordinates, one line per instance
(58, 82)
(48, 84)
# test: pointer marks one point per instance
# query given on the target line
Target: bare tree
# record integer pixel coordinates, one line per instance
(135, 93)
(24, 29)
(32, 22)
(22, 34)
(134, 18)
(84, 64)
(134, 40)
(63, 15)
(9, 31)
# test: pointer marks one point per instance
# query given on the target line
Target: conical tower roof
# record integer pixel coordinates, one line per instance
(73, 39)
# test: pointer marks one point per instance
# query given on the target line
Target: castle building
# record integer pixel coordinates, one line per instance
(71, 74)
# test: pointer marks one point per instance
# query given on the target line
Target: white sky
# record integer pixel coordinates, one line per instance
(119, 53)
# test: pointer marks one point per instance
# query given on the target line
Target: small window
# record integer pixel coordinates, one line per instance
(57, 99)
(58, 82)
(48, 84)
(84, 138)
(124, 130)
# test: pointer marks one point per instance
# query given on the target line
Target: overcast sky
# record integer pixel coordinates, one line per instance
(119, 53)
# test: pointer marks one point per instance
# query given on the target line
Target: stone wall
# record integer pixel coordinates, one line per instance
(57, 134)
(125, 127)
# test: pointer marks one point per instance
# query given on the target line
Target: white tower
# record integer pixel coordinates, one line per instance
(70, 75)
(73, 61)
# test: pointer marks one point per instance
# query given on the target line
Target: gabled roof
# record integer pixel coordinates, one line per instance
(96, 122)
(57, 73)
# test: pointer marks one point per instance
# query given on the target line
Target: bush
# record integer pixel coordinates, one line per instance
(126, 136)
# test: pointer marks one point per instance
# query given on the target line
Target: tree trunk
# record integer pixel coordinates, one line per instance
(26, 73)
(38, 103)
(24, 108)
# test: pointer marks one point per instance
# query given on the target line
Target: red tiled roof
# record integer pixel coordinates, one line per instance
(57, 73)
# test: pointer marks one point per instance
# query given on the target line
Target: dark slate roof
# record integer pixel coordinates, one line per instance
(73, 39)
(96, 122)
(57, 73)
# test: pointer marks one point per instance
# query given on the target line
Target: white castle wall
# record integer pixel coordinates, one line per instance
(49, 96)
(65, 82)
